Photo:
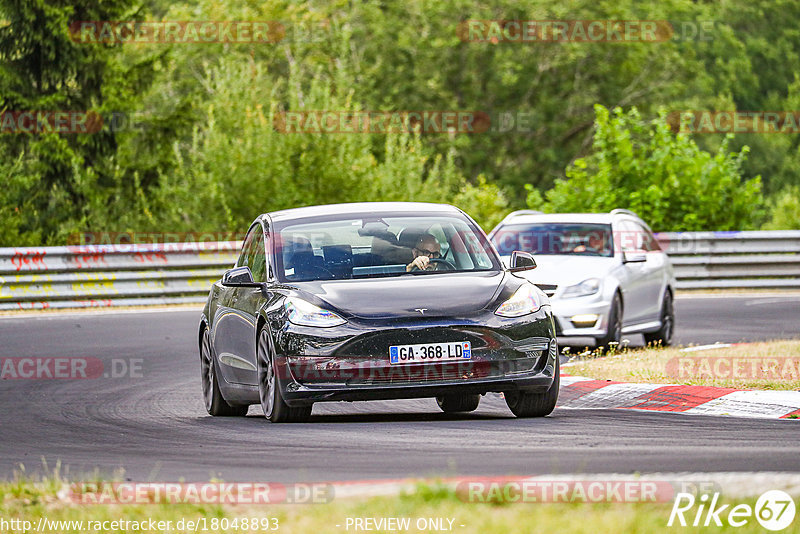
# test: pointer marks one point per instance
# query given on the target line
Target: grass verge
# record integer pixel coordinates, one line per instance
(771, 365)
(28, 501)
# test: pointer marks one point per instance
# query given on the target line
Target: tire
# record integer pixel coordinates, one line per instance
(614, 334)
(269, 392)
(663, 336)
(524, 404)
(458, 403)
(212, 396)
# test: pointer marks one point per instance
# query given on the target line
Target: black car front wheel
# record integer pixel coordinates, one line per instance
(458, 403)
(275, 408)
(524, 404)
(212, 397)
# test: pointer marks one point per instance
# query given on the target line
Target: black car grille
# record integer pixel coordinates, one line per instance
(421, 374)
(364, 360)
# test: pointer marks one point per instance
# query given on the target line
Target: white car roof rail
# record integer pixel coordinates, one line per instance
(522, 212)
(622, 211)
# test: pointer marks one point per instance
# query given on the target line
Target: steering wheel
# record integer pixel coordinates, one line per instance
(450, 266)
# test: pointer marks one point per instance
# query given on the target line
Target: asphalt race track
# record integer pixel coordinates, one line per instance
(154, 427)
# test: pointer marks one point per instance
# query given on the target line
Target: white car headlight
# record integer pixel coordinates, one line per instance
(304, 313)
(588, 287)
(525, 300)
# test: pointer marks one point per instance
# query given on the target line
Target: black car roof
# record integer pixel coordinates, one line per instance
(360, 207)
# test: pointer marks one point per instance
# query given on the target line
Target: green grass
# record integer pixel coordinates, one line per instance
(663, 366)
(28, 500)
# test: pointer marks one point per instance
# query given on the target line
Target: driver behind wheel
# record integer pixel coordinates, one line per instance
(426, 249)
(594, 245)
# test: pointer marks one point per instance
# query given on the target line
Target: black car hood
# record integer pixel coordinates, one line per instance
(438, 295)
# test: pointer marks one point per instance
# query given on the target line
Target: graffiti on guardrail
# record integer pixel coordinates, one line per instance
(153, 238)
(29, 259)
(88, 261)
(108, 270)
(150, 257)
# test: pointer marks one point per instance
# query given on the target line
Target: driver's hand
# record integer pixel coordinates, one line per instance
(420, 262)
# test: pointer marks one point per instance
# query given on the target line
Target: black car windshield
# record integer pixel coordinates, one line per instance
(555, 238)
(371, 246)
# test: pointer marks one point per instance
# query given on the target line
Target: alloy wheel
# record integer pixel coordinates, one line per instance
(207, 371)
(266, 374)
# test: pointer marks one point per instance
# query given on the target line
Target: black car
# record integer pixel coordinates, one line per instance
(329, 303)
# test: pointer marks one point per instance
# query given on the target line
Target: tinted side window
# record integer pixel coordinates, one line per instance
(254, 255)
(635, 237)
(650, 242)
(247, 248)
(630, 237)
(258, 261)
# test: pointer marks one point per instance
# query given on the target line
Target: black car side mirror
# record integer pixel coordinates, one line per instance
(521, 261)
(239, 277)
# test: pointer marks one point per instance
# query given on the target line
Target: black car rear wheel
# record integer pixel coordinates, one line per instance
(458, 403)
(275, 408)
(212, 397)
(663, 336)
(523, 404)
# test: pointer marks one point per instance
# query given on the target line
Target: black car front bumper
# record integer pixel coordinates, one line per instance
(351, 362)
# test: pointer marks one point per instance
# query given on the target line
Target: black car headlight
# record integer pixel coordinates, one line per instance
(304, 313)
(525, 300)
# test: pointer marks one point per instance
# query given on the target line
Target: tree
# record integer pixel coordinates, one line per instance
(242, 164)
(43, 70)
(664, 177)
(785, 210)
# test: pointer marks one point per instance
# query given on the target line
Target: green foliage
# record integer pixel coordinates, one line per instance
(56, 181)
(241, 164)
(207, 156)
(643, 166)
(785, 209)
(485, 202)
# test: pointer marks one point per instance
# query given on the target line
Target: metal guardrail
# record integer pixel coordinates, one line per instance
(111, 275)
(728, 260)
(144, 274)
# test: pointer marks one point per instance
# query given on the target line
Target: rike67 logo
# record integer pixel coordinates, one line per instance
(774, 510)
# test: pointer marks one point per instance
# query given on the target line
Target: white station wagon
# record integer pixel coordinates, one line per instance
(605, 273)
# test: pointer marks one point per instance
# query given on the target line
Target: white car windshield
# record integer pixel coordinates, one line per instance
(555, 238)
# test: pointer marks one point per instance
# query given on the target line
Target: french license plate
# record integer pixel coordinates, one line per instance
(430, 352)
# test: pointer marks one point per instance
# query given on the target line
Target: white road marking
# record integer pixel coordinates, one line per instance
(751, 404)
